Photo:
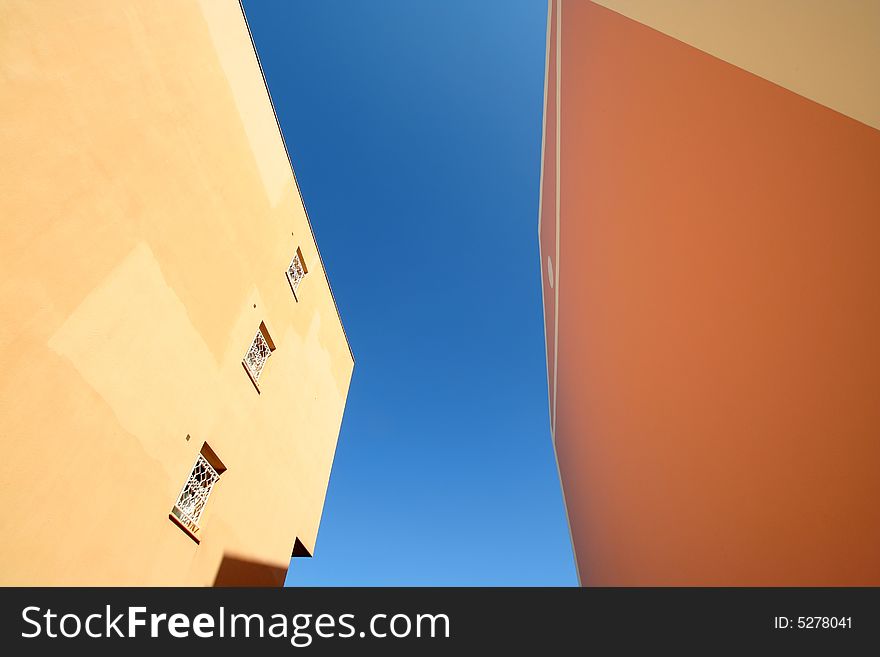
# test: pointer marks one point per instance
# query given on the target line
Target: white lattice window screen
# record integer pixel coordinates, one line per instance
(257, 355)
(192, 499)
(296, 272)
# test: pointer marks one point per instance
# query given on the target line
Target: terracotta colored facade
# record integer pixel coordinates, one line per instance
(149, 214)
(712, 315)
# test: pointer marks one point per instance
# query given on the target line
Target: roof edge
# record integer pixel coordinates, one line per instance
(293, 173)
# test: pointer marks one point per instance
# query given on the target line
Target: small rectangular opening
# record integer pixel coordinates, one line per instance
(193, 498)
(296, 272)
(257, 354)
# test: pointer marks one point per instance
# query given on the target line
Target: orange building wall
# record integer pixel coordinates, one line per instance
(718, 385)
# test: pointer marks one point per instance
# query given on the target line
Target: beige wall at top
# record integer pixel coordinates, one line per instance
(825, 50)
(147, 216)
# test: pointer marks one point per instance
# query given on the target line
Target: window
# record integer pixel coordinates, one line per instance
(257, 355)
(296, 272)
(190, 504)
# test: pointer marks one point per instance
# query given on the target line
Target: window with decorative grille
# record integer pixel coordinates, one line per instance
(257, 354)
(296, 272)
(194, 496)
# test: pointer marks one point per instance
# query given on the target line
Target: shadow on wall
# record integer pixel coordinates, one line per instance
(235, 571)
(242, 572)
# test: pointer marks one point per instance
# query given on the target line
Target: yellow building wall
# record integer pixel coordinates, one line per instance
(148, 213)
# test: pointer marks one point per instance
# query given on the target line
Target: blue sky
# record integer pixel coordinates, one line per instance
(415, 132)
